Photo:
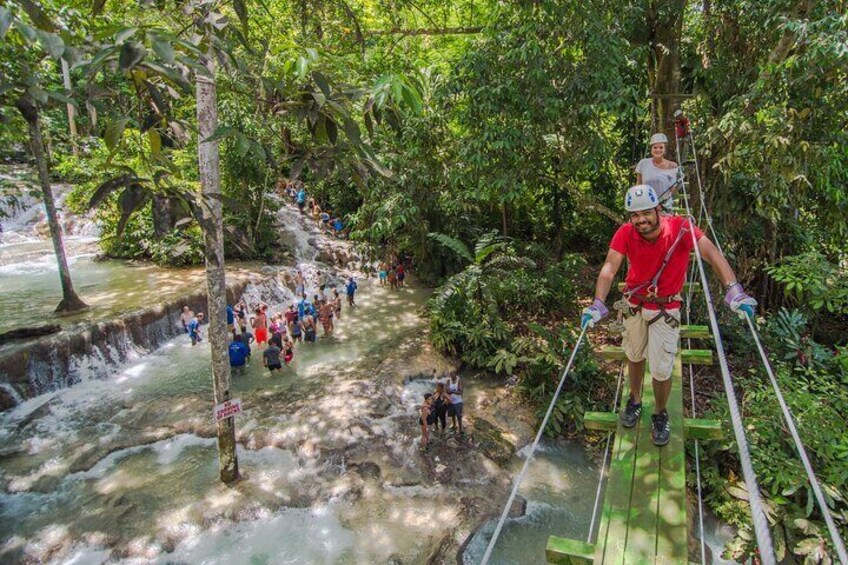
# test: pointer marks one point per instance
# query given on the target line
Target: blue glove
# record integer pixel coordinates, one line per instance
(740, 302)
(594, 313)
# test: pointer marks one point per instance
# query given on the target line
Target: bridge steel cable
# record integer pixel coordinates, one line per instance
(788, 418)
(606, 456)
(761, 527)
(488, 554)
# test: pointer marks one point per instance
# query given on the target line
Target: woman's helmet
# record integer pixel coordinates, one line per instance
(658, 138)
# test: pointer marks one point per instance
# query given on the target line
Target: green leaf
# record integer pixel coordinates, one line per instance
(97, 6)
(242, 145)
(163, 49)
(453, 244)
(132, 53)
(5, 21)
(155, 141)
(241, 11)
(412, 99)
(26, 31)
(114, 133)
(220, 133)
(62, 98)
(52, 43)
(102, 56)
(125, 34)
(38, 94)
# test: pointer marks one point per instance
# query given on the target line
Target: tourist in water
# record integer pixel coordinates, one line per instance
(271, 358)
(301, 199)
(315, 209)
(383, 273)
(455, 406)
(337, 304)
(276, 330)
(296, 328)
(186, 317)
(309, 332)
(441, 401)
(239, 354)
(241, 312)
(401, 275)
(301, 306)
(194, 329)
(325, 314)
(425, 419)
(299, 283)
(260, 325)
(351, 291)
(231, 320)
(288, 351)
(247, 338)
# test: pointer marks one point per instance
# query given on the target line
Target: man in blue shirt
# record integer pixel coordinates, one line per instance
(231, 320)
(351, 289)
(239, 354)
(301, 198)
(194, 328)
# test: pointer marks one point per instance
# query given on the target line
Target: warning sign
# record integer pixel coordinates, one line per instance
(228, 409)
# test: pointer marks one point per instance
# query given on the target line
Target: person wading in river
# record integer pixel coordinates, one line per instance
(441, 401)
(426, 417)
(657, 249)
(455, 407)
(194, 329)
(186, 317)
(271, 358)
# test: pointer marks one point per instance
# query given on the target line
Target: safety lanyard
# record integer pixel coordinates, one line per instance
(652, 284)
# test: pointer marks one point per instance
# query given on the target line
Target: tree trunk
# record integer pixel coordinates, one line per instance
(70, 301)
(503, 218)
(665, 22)
(163, 218)
(207, 156)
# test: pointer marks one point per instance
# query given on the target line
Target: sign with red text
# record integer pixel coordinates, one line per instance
(228, 409)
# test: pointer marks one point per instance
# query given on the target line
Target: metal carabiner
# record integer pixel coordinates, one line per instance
(652, 291)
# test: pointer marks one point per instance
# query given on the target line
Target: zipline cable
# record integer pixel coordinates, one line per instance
(761, 527)
(542, 427)
(606, 455)
(838, 543)
(690, 277)
(802, 453)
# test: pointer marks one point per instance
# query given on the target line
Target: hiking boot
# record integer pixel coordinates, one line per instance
(630, 416)
(660, 430)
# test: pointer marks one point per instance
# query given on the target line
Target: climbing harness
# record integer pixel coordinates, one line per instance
(526, 466)
(786, 412)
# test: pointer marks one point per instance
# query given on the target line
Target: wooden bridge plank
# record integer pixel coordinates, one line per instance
(695, 332)
(642, 522)
(612, 533)
(672, 536)
(563, 551)
(688, 356)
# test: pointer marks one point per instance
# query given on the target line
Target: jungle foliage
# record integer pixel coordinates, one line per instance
(491, 143)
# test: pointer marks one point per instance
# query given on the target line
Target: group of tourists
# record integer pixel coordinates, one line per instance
(324, 217)
(657, 244)
(444, 402)
(278, 332)
(392, 273)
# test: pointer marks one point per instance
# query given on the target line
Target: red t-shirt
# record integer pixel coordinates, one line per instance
(646, 257)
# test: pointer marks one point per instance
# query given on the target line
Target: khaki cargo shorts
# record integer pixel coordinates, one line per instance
(659, 341)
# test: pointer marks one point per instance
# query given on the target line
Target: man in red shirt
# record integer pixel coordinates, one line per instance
(657, 248)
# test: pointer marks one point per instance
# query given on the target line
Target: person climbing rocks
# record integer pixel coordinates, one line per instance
(315, 209)
(260, 325)
(351, 291)
(194, 328)
(186, 316)
(271, 358)
(241, 313)
(657, 249)
(658, 172)
(425, 419)
(239, 354)
(441, 401)
(299, 283)
(338, 227)
(455, 407)
(300, 199)
(337, 304)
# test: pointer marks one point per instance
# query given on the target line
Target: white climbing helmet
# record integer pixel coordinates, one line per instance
(640, 197)
(658, 138)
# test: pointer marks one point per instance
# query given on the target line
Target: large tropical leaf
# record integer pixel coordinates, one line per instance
(453, 244)
(108, 187)
(132, 198)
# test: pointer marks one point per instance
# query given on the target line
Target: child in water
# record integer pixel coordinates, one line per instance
(425, 420)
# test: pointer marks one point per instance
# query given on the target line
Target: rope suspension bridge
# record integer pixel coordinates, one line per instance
(644, 518)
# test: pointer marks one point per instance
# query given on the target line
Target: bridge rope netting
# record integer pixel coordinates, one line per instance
(758, 515)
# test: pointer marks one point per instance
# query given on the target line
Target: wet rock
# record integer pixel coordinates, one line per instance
(46, 484)
(367, 470)
(491, 442)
